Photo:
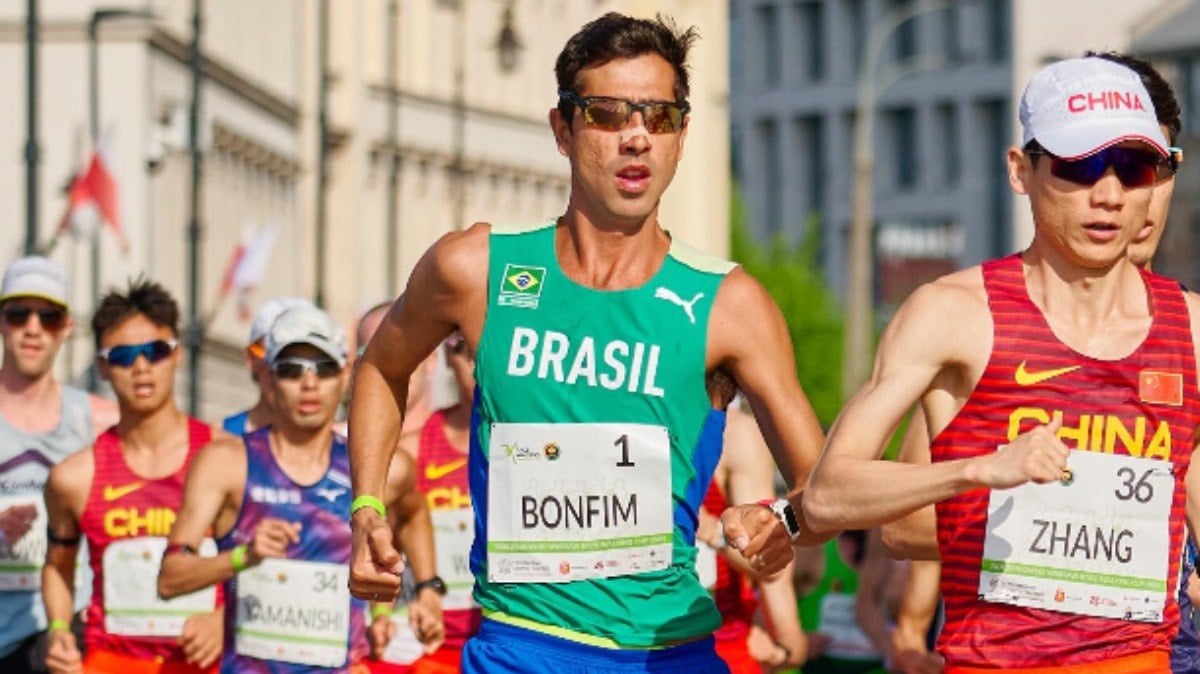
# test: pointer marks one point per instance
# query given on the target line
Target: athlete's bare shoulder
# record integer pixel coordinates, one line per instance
(1193, 304)
(71, 480)
(742, 307)
(942, 322)
(220, 463)
(451, 277)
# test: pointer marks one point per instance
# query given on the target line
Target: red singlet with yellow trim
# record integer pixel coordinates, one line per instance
(1030, 378)
(121, 506)
(442, 476)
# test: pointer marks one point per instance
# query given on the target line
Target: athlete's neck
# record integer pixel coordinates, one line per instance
(302, 454)
(614, 258)
(155, 444)
(258, 416)
(1101, 312)
(458, 426)
(33, 405)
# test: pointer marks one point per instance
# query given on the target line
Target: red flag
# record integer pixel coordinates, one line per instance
(1162, 387)
(96, 189)
(248, 266)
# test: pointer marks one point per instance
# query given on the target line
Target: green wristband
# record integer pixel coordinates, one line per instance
(380, 609)
(367, 501)
(58, 625)
(237, 558)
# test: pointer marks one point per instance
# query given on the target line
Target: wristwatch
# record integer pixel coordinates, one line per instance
(786, 515)
(436, 584)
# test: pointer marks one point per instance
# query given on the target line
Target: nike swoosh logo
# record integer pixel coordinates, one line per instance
(1026, 378)
(112, 493)
(436, 472)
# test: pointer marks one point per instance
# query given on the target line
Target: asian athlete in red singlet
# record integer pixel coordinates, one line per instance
(124, 494)
(1060, 389)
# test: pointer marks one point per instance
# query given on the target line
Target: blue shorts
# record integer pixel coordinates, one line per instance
(499, 647)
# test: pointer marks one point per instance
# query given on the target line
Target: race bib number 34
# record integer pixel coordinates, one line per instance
(1096, 544)
(294, 611)
(568, 502)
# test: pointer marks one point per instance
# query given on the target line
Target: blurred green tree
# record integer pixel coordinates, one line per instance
(792, 276)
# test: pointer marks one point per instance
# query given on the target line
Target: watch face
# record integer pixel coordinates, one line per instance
(436, 584)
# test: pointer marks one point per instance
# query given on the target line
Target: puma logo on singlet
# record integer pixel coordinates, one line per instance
(670, 296)
(1026, 378)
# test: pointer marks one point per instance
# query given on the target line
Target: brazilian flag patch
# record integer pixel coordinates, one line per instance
(521, 286)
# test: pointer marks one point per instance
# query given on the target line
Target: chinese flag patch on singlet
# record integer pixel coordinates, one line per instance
(1161, 387)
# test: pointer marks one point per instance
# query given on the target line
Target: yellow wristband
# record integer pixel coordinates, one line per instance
(367, 501)
(58, 625)
(380, 609)
(237, 558)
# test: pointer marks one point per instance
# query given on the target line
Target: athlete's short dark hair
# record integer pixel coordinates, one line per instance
(616, 36)
(1166, 105)
(144, 297)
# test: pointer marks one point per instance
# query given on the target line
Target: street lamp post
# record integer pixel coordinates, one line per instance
(859, 301)
(31, 123)
(195, 326)
(93, 52)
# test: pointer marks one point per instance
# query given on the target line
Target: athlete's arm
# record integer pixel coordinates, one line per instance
(211, 499)
(414, 532)
(764, 368)
(914, 536)
(446, 290)
(66, 495)
(869, 608)
(918, 607)
(851, 488)
(751, 478)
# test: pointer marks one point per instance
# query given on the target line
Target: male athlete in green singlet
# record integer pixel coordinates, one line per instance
(593, 437)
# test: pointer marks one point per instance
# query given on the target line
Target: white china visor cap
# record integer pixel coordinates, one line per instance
(1077, 107)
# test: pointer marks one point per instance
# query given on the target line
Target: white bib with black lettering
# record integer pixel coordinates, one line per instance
(294, 611)
(569, 502)
(453, 532)
(1096, 544)
(132, 606)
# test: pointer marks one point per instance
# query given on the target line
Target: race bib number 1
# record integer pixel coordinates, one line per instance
(1096, 544)
(569, 502)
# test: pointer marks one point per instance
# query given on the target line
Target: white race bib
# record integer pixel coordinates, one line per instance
(21, 560)
(131, 603)
(453, 531)
(404, 648)
(1097, 545)
(847, 639)
(570, 502)
(294, 611)
(706, 566)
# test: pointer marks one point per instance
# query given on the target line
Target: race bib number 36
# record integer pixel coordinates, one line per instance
(1096, 544)
(569, 502)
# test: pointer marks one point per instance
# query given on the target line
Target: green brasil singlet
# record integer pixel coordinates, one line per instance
(560, 363)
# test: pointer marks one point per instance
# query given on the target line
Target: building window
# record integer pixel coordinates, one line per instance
(856, 29)
(772, 169)
(947, 123)
(904, 147)
(811, 18)
(999, 31)
(951, 40)
(811, 132)
(772, 53)
(906, 33)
